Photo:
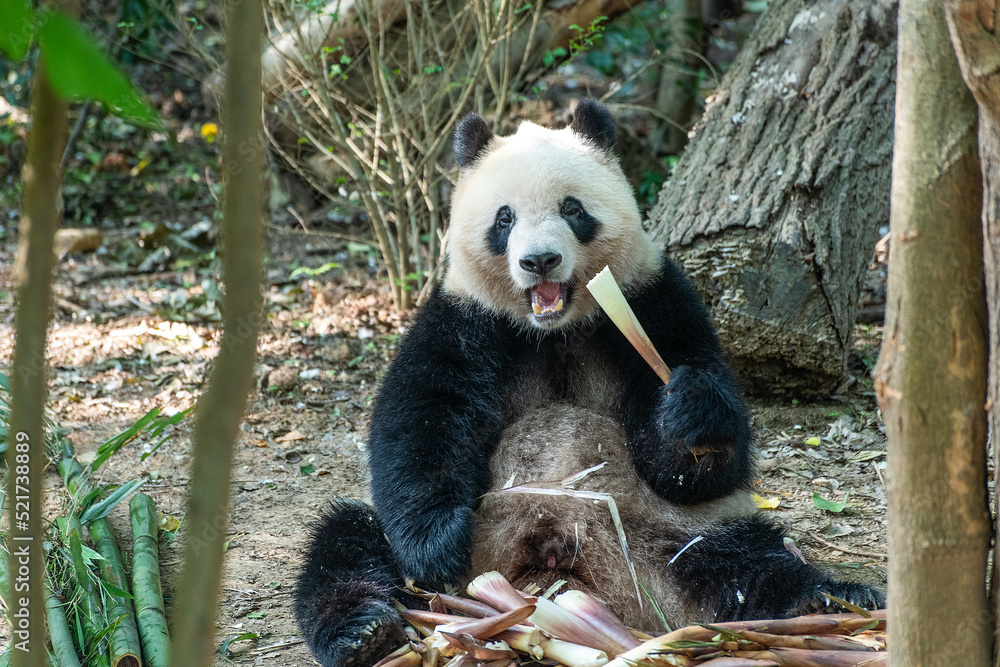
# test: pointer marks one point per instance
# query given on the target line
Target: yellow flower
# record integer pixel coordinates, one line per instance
(209, 131)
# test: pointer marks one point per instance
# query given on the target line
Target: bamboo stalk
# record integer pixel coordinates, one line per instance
(807, 642)
(737, 662)
(793, 657)
(479, 628)
(803, 625)
(150, 615)
(124, 638)
(59, 633)
(465, 606)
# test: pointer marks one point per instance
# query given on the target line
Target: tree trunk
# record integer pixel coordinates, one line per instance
(931, 374)
(676, 90)
(221, 407)
(338, 22)
(25, 442)
(774, 209)
(975, 33)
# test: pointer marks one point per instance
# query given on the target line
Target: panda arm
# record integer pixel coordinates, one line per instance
(691, 439)
(436, 421)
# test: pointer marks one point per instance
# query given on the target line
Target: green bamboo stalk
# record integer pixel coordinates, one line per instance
(71, 471)
(221, 407)
(59, 634)
(150, 614)
(124, 639)
(90, 610)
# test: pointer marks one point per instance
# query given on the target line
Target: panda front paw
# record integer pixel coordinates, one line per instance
(373, 631)
(705, 436)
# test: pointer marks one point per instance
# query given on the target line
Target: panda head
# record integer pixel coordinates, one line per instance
(537, 214)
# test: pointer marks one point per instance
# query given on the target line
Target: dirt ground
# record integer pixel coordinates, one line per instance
(324, 347)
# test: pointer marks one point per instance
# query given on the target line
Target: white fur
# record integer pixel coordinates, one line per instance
(532, 171)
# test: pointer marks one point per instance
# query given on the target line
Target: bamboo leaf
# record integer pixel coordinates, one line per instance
(101, 509)
(224, 648)
(819, 502)
(114, 590)
(112, 445)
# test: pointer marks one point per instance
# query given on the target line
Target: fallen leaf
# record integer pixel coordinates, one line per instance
(292, 435)
(766, 503)
(71, 240)
(819, 502)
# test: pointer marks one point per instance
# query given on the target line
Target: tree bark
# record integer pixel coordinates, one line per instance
(774, 209)
(975, 33)
(676, 90)
(931, 374)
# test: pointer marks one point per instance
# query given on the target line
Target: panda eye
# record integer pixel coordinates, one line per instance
(505, 216)
(570, 207)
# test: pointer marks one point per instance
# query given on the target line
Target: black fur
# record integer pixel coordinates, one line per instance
(691, 439)
(342, 594)
(593, 121)
(584, 225)
(742, 571)
(436, 422)
(497, 237)
(471, 138)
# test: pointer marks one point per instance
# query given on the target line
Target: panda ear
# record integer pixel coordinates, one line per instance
(593, 121)
(471, 137)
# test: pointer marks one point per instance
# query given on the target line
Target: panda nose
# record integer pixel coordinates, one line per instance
(540, 263)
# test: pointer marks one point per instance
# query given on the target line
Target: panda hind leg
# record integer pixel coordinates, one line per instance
(743, 571)
(342, 596)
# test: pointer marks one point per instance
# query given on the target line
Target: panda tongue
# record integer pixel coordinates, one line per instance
(547, 295)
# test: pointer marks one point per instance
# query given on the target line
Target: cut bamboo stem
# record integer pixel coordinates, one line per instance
(62, 640)
(150, 615)
(124, 638)
(609, 296)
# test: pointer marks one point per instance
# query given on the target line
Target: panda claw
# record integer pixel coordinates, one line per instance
(857, 595)
(375, 641)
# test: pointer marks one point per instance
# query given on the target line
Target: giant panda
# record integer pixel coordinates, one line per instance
(511, 374)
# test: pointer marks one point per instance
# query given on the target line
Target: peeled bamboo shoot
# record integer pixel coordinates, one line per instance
(605, 289)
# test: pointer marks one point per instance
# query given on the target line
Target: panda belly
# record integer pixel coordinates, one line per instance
(539, 539)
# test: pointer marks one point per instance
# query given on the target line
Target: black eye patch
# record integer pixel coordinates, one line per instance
(583, 224)
(500, 231)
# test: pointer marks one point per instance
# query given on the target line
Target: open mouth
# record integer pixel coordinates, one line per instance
(548, 299)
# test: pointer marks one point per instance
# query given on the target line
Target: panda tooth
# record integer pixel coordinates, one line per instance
(559, 305)
(535, 307)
